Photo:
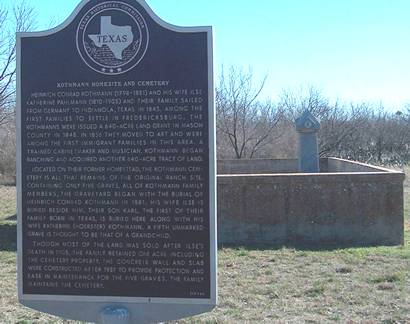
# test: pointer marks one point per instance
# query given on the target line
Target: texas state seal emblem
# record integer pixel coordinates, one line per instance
(112, 37)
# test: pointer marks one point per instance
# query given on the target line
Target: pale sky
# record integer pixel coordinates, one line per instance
(353, 50)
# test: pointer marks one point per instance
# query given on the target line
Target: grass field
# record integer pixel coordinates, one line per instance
(370, 285)
(7, 205)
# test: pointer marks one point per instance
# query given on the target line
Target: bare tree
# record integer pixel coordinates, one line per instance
(388, 137)
(8, 148)
(243, 122)
(20, 18)
(340, 125)
(295, 102)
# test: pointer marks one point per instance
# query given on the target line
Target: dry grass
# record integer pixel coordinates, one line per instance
(370, 285)
(7, 204)
(10, 310)
(296, 286)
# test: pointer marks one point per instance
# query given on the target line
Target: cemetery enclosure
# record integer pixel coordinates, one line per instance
(348, 204)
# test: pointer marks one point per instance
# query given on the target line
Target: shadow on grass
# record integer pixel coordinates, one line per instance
(8, 181)
(8, 237)
(12, 217)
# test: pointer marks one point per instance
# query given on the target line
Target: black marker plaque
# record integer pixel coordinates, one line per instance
(116, 157)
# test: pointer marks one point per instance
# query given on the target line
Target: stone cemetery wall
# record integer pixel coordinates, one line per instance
(259, 166)
(340, 165)
(262, 166)
(360, 207)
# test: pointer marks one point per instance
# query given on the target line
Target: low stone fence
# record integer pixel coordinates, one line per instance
(348, 204)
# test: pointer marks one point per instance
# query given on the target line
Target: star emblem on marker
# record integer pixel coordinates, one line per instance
(111, 70)
(119, 70)
(103, 69)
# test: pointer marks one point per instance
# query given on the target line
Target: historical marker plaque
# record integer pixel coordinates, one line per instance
(116, 165)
